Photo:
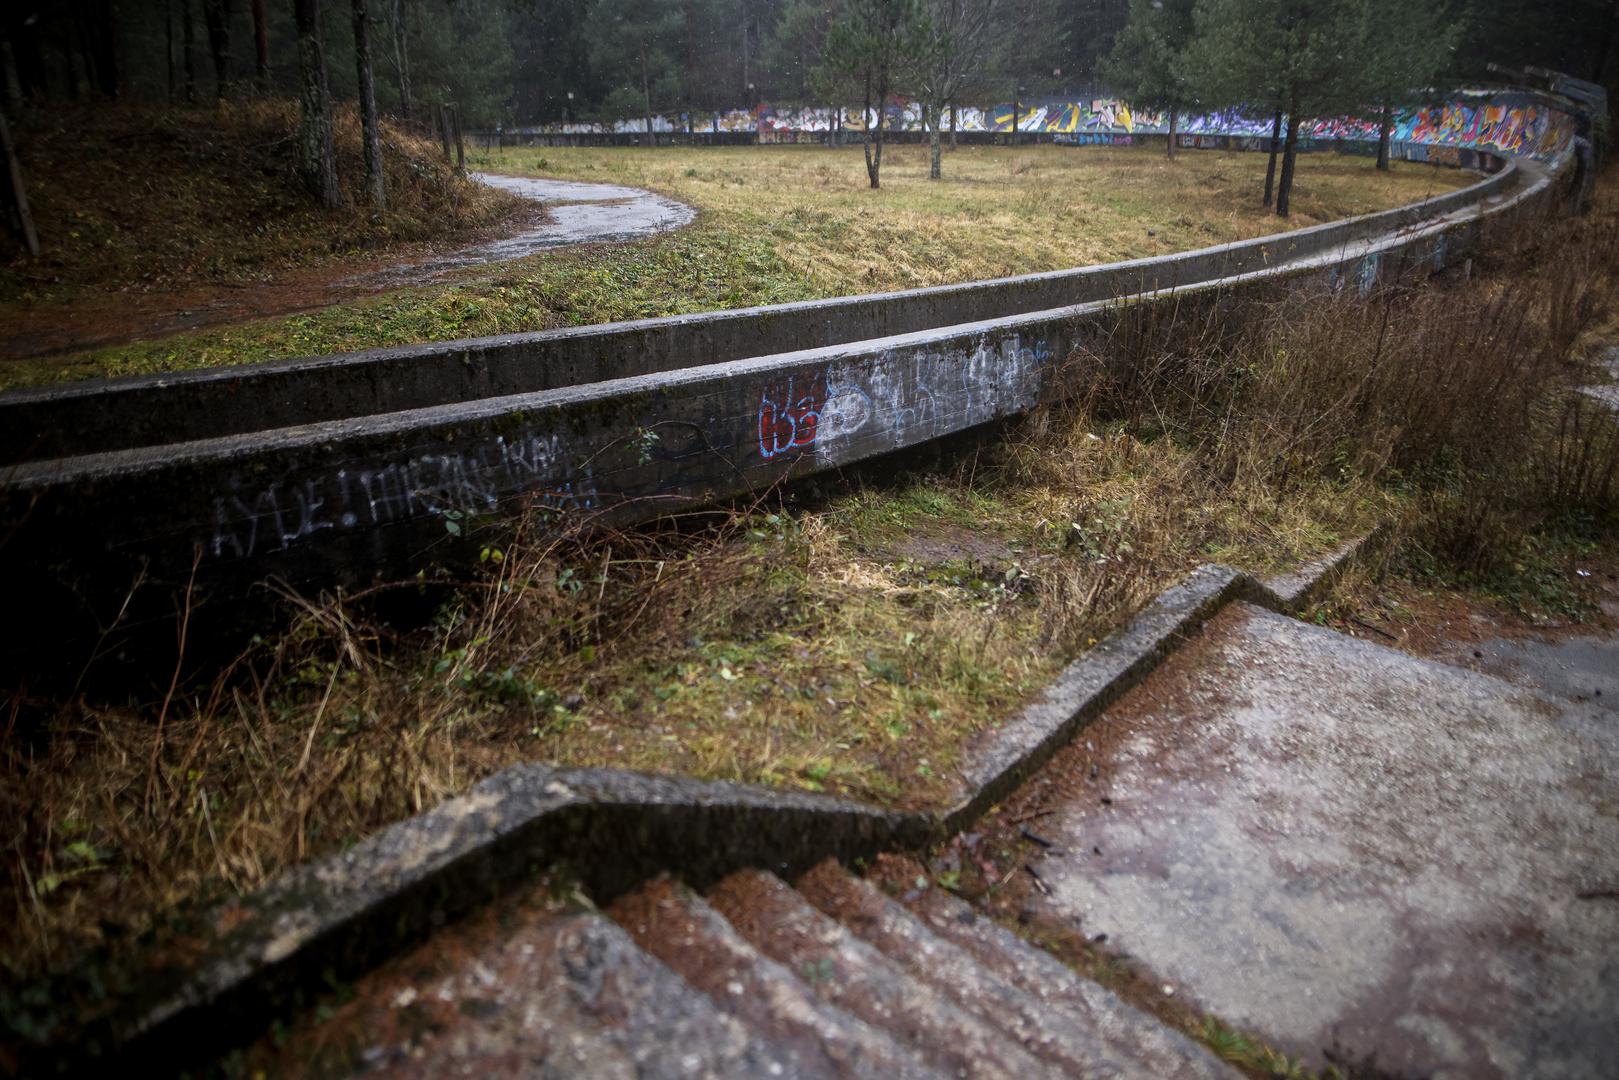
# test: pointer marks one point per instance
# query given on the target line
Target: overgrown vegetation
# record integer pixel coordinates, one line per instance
(143, 200)
(854, 641)
(791, 223)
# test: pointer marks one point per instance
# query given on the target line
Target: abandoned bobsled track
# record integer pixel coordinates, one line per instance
(336, 471)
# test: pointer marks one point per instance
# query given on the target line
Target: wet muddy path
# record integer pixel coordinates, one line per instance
(566, 214)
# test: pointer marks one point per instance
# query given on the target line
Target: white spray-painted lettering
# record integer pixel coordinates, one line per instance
(250, 520)
(903, 398)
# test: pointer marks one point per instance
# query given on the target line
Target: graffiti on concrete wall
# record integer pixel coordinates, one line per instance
(1511, 123)
(251, 519)
(851, 409)
(842, 411)
(790, 414)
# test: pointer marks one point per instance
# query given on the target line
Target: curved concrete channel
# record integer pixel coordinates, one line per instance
(339, 470)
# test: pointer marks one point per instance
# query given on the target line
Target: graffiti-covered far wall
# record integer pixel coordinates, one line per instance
(1506, 121)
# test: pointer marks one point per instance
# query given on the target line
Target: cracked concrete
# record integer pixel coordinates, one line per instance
(1359, 855)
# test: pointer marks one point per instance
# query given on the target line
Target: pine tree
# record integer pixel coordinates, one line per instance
(1148, 64)
(371, 137)
(634, 40)
(1267, 56)
(876, 47)
(317, 158)
(1400, 49)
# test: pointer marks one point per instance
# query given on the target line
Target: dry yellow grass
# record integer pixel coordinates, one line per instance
(997, 210)
(779, 224)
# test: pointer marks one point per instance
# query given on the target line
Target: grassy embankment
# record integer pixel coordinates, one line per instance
(857, 641)
(776, 224)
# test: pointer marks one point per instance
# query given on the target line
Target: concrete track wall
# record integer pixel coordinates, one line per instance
(343, 499)
(116, 414)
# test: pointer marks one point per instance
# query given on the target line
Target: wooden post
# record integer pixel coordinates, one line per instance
(17, 198)
(460, 144)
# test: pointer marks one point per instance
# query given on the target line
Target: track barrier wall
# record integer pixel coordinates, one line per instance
(339, 470)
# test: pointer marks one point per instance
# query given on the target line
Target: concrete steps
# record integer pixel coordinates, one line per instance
(569, 996)
(757, 979)
(1031, 997)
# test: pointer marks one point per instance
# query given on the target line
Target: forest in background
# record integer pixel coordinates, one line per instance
(523, 61)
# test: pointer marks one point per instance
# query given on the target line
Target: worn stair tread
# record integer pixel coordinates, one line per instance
(557, 995)
(676, 926)
(844, 970)
(1162, 1050)
(1028, 1014)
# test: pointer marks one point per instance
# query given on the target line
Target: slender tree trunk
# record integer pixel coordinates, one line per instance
(370, 135)
(189, 49)
(317, 159)
(78, 77)
(646, 93)
(97, 33)
(216, 15)
(261, 47)
(30, 64)
(1173, 116)
(86, 79)
(882, 129)
(1385, 127)
(866, 147)
(1284, 187)
(16, 195)
(691, 64)
(1270, 167)
(441, 116)
(747, 66)
(937, 111)
(952, 125)
(12, 89)
(402, 56)
(168, 44)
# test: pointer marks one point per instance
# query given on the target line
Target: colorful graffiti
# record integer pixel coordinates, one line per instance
(789, 414)
(842, 411)
(1507, 122)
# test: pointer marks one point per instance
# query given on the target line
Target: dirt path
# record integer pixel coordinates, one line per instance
(566, 214)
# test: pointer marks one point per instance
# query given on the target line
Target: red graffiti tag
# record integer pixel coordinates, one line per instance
(789, 414)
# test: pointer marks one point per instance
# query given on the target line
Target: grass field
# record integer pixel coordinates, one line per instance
(997, 211)
(792, 223)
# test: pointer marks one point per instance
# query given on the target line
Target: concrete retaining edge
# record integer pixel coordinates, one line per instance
(101, 415)
(340, 502)
(330, 920)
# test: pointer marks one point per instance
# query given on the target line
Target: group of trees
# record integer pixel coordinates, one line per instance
(539, 60)
(1287, 59)
(200, 51)
(1296, 59)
